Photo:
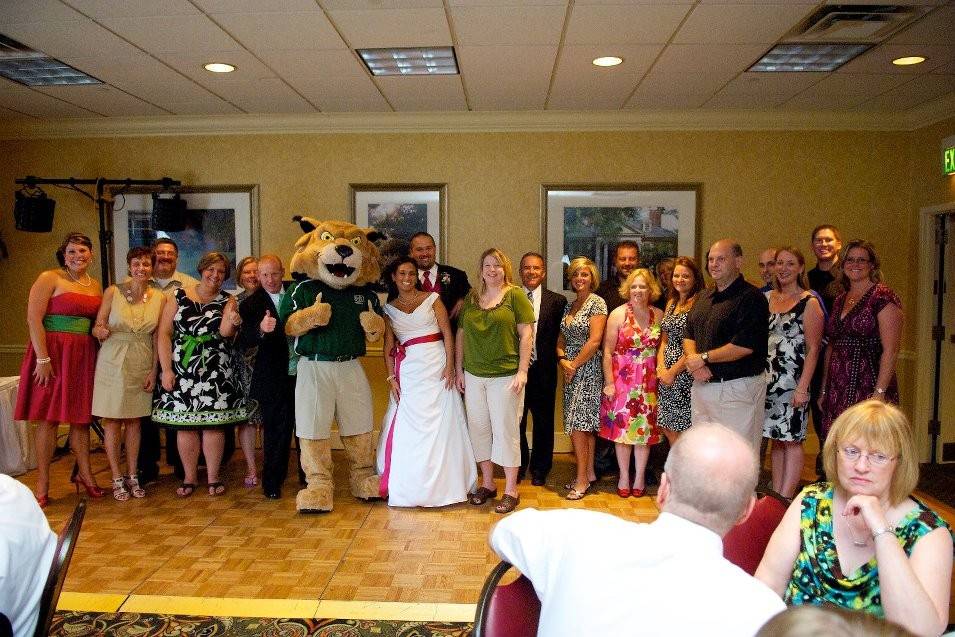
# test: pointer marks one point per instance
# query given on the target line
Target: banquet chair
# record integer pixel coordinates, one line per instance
(508, 610)
(61, 562)
(6, 629)
(746, 542)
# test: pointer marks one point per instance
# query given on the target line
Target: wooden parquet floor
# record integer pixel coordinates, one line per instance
(241, 545)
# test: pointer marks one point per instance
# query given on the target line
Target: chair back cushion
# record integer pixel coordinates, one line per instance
(745, 544)
(514, 610)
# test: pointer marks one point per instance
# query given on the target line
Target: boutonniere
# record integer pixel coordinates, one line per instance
(445, 278)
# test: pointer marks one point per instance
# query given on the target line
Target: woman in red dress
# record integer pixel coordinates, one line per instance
(56, 377)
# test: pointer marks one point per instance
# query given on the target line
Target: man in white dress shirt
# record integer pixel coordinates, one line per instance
(597, 574)
(26, 552)
(450, 283)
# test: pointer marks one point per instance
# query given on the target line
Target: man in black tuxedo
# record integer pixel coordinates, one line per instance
(271, 386)
(542, 375)
(450, 283)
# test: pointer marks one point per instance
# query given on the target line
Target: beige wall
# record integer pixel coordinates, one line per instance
(763, 188)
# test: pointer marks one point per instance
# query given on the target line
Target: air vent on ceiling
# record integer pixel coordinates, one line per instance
(868, 23)
(20, 63)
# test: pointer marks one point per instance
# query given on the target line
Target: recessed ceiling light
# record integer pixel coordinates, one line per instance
(796, 58)
(609, 60)
(219, 67)
(410, 61)
(908, 61)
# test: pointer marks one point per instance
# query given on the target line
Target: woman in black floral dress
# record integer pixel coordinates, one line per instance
(200, 392)
(795, 336)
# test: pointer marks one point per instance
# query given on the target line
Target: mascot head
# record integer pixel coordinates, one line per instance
(337, 253)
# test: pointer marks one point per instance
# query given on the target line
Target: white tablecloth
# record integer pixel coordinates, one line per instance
(17, 450)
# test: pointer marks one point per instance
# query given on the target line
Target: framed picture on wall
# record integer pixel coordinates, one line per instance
(590, 220)
(398, 211)
(218, 218)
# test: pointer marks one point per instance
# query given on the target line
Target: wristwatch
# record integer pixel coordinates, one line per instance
(705, 356)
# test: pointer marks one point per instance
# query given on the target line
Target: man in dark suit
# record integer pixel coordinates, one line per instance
(450, 283)
(542, 375)
(271, 386)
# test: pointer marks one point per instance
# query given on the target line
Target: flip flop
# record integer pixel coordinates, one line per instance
(186, 489)
(482, 495)
(216, 489)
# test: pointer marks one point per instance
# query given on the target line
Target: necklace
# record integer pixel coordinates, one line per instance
(407, 303)
(129, 295)
(89, 279)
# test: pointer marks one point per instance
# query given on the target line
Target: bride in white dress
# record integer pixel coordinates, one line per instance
(424, 455)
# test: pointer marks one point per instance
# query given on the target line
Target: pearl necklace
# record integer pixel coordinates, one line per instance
(89, 279)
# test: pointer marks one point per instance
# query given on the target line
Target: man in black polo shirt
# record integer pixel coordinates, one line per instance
(626, 259)
(725, 345)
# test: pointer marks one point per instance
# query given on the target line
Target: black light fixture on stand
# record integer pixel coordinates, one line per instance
(34, 212)
(169, 213)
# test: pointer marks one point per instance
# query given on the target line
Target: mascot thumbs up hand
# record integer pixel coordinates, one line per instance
(373, 324)
(320, 313)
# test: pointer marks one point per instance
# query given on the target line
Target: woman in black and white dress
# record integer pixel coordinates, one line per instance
(795, 336)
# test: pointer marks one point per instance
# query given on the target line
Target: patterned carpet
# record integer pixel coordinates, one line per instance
(73, 624)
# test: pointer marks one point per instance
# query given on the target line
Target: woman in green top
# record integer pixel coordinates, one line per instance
(862, 542)
(492, 354)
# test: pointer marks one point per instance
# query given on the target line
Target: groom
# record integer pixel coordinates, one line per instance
(450, 283)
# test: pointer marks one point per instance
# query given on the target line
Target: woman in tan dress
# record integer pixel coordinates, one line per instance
(126, 365)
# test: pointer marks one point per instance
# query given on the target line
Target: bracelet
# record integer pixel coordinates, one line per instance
(41, 361)
(391, 378)
(879, 390)
(882, 531)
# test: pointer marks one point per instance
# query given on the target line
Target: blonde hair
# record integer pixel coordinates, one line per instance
(882, 426)
(651, 281)
(802, 280)
(583, 263)
(479, 290)
(809, 621)
(210, 258)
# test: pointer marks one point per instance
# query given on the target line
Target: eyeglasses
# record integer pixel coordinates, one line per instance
(875, 458)
(857, 259)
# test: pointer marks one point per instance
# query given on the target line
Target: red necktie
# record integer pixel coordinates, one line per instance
(426, 284)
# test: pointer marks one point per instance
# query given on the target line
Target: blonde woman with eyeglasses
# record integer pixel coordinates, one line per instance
(862, 541)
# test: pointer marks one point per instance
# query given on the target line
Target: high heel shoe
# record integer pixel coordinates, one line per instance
(43, 500)
(92, 490)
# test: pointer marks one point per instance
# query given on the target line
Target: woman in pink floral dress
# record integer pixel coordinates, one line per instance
(628, 411)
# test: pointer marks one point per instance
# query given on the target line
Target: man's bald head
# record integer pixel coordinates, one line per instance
(711, 476)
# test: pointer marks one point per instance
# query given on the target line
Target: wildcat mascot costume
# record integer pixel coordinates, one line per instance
(329, 314)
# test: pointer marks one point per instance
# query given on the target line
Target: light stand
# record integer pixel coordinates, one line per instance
(105, 234)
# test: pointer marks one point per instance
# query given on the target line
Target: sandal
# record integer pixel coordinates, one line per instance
(132, 483)
(570, 485)
(120, 494)
(216, 489)
(507, 504)
(574, 494)
(251, 481)
(186, 489)
(482, 495)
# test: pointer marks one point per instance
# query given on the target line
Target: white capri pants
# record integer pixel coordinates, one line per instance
(739, 404)
(494, 418)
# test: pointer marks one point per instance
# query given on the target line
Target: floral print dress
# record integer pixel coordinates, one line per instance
(786, 357)
(630, 416)
(582, 393)
(205, 393)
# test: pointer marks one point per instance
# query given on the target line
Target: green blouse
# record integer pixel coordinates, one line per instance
(491, 344)
(817, 577)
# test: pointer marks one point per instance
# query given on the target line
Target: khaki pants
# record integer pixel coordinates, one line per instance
(494, 417)
(739, 404)
(331, 390)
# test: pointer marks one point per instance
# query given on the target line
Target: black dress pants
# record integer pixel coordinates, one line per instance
(539, 401)
(278, 427)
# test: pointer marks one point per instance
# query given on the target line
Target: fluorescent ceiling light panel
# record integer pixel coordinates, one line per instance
(410, 61)
(789, 58)
(23, 65)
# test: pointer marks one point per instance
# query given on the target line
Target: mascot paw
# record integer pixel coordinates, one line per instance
(367, 488)
(314, 500)
(373, 324)
(321, 313)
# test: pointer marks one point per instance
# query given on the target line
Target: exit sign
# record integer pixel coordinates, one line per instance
(949, 160)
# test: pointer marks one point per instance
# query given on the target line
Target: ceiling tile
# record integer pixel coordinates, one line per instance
(657, 83)
(844, 90)
(144, 77)
(173, 34)
(646, 101)
(215, 107)
(260, 31)
(393, 27)
(770, 84)
(518, 25)
(948, 69)
(507, 77)
(384, 4)
(913, 93)
(6, 115)
(20, 98)
(879, 59)
(35, 11)
(313, 65)
(721, 60)
(104, 9)
(646, 24)
(257, 6)
(579, 84)
(740, 24)
(70, 39)
(343, 94)
(270, 95)
(247, 66)
(424, 93)
(502, 3)
(935, 28)
(745, 102)
(104, 100)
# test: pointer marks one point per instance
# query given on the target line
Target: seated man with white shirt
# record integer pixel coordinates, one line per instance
(597, 574)
(26, 552)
